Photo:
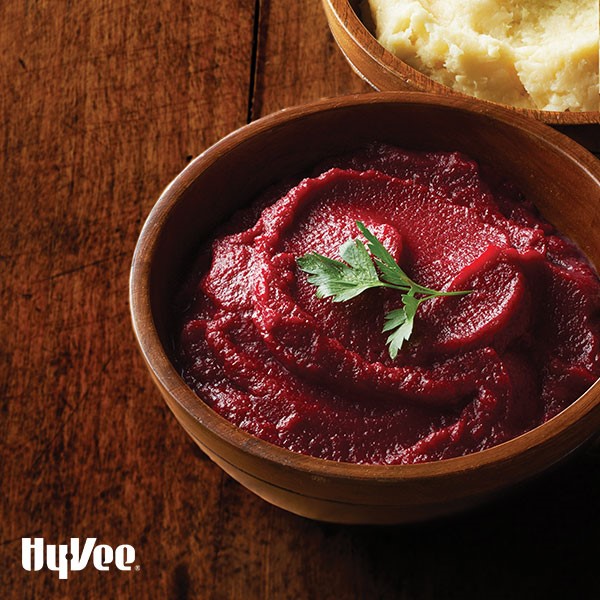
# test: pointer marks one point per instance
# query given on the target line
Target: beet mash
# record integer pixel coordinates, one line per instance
(316, 377)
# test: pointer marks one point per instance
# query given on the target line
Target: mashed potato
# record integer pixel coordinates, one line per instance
(528, 53)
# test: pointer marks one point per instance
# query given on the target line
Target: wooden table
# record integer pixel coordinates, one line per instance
(103, 102)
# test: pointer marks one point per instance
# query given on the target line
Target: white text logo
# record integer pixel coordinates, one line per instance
(72, 557)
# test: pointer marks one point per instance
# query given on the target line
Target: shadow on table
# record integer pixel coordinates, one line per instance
(539, 541)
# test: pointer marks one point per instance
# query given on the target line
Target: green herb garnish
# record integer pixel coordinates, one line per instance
(369, 266)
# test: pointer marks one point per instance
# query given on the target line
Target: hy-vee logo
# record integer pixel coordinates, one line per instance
(65, 558)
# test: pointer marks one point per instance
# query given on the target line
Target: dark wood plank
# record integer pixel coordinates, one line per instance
(102, 102)
(298, 60)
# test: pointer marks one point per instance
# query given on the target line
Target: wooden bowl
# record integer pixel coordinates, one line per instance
(386, 72)
(558, 175)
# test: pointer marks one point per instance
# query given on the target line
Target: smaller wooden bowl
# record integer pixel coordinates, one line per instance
(386, 72)
(561, 178)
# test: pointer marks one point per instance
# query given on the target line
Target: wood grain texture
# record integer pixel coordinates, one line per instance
(102, 102)
(297, 59)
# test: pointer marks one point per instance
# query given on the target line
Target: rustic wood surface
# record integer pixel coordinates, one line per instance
(102, 103)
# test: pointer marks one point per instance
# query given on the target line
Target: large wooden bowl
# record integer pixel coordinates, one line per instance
(384, 71)
(557, 174)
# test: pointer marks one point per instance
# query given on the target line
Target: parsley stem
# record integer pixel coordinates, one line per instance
(419, 289)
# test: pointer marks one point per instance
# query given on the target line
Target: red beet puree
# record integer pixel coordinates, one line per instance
(316, 377)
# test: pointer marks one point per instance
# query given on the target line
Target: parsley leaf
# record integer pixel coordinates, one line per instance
(366, 267)
(337, 279)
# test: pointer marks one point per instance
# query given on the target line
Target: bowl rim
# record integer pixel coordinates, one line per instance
(168, 379)
(354, 27)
